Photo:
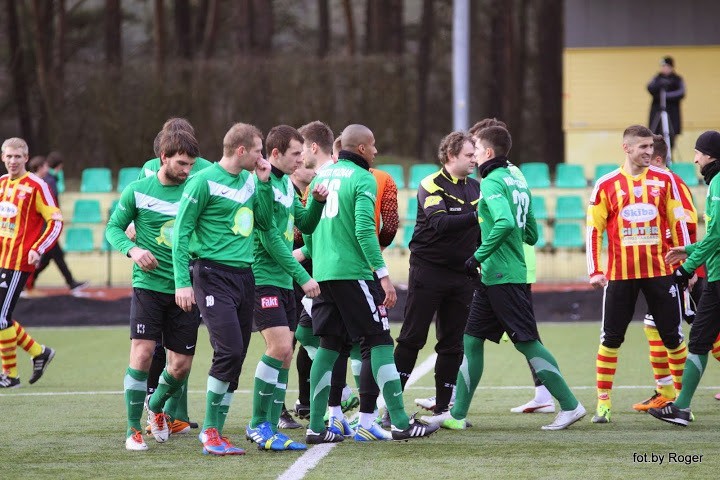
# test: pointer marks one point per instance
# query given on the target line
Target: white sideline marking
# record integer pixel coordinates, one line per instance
(312, 457)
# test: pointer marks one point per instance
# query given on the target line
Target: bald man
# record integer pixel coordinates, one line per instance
(346, 252)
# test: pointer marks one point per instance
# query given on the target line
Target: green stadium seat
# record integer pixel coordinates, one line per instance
(87, 211)
(568, 235)
(420, 171)
(105, 245)
(396, 171)
(541, 241)
(408, 230)
(570, 176)
(569, 207)
(539, 207)
(79, 239)
(96, 180)
(604, 169)
(412, 208)
(688, 172)
(537, 174)
(60, 177)
(126, 176)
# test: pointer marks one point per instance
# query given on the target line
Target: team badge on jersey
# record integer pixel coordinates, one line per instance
(638, 191)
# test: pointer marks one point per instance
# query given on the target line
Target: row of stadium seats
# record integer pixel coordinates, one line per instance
(99, 180)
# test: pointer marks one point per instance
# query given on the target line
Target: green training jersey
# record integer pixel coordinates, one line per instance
(153, 207)
(506, 222)
(274, 262)
(152, 166)
(707, 250)
(344, 245)
(530, 261)
(216, 219)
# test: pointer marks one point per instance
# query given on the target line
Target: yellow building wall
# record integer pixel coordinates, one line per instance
(604, 91)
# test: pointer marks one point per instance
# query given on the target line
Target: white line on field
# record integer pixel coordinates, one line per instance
(313, 456)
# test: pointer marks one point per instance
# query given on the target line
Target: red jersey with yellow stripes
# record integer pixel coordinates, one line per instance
(637, 212)
(29, 220)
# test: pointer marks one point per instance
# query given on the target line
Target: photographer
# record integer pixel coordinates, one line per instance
(674, 87)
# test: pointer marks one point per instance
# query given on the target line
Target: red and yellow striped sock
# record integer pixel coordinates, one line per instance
(606, 364)
(8, 345)
(659, 363)
(716, 349)
(676, 358)
(25, 341)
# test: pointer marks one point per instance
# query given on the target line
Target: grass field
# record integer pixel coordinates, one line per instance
(71, 424)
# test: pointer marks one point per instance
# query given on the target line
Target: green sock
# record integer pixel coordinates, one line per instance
(469, 375)
(135, 385)
(167, 386)
(176, 405)
(216, 390)
(388, 379)
(223, 410)
(320, 375)
(266, 377)
(548, 372)
(694, 369)
(308, 340)
(356, 363)
(278, 398)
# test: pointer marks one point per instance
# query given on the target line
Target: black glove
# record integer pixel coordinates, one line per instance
(681, 277)
(471, 267)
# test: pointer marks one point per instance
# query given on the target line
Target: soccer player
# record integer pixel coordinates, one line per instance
(275, 268)
(345, 253)
(705, 328)
(502, 302)
(667, 377)
(152, 166)
(220, 208)
(445, 235)
(152, 204)
(30, 224)
(635, 204)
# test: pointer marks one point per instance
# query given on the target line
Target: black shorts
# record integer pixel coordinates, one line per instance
(502, 308)
(663, 301)
(12, 283)
(706, 327)
(348, 307)
(226, 297)
(156, 316)
(274, 307)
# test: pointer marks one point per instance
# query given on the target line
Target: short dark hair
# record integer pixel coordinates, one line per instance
(54, 159)
(179, 142)
(36, 162)
(498, 138)
(485, 123)
(452, 145)
(319, 133)
(659, 147)
(280, 137)
(637, 131)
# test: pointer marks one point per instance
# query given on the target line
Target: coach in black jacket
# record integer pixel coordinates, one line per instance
(674, 87)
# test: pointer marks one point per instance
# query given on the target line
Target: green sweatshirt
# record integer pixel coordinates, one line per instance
(344, 245)
(216, 219)
(530, 261)
(274, 263)
(707, 250)
(153, 207)
(506, 222)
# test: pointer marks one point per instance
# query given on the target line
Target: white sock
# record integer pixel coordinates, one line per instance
(542, 395)
(336, 412)
(367, 419)
(345, 393)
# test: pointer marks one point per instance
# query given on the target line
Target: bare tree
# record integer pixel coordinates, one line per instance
(349, 27)
(59, 54)
(17, 71)
(160, 37)
(210, 29)
(423, 72)
(256, 24)
(42, 28)
(183, 29)
(323, 28)
(384, 26)
(113, 32)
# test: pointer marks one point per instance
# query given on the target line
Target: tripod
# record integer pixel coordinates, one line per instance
(661, 118)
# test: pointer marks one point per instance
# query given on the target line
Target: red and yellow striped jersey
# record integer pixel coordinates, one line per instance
(29, 220)
(637, 213)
